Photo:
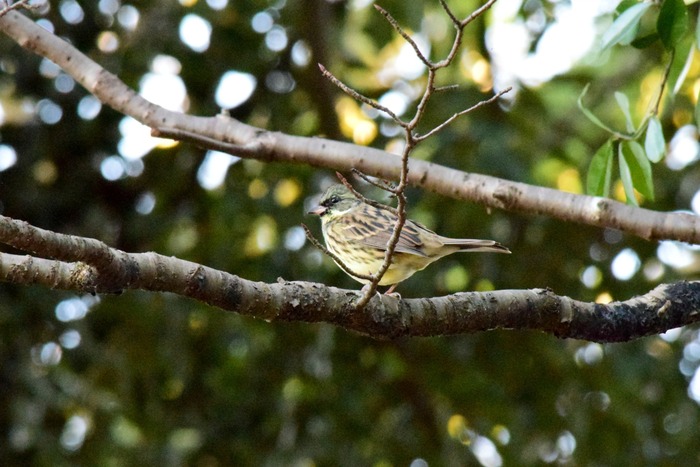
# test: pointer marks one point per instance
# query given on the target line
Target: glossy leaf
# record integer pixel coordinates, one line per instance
(624, 28)
(626, 176)
(600, 171)
(637, 164)
(685, 53)
(672, 23)
(654, 143)
(624, 104)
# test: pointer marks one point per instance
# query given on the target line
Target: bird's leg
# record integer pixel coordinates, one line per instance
(391, 289)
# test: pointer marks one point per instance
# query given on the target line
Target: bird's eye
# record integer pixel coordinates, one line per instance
(333, 200)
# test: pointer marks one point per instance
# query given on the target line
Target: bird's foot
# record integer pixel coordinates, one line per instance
(390, 292)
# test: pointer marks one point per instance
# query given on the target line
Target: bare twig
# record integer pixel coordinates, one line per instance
(450, 87)
(382, 184)
(362, 198)
(356, 95)
(14, 6)
(664, 81)
(409, 127)
(403, 33)
(338, 261)
(459, 114)
(475, 14)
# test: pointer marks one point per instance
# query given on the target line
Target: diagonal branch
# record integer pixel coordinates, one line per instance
(488, 191)
(357, 96)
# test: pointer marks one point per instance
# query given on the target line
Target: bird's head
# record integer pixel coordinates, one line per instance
(335, 201)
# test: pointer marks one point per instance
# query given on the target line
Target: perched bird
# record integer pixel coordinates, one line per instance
(358, 234)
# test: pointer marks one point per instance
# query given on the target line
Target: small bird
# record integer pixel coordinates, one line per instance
(358, 233)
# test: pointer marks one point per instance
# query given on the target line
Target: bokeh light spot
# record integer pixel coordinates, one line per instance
(145, 203)
(301, 53)
(212, 172)
(128, 16)
(276, 39)
(287, 192)
(262, 22)
(49, 112)
(8, 157)
(112, 168)
(626, 264)
(195, 32)
(89, 107)
(262, 237)
(234, 89)
(71, 11)
(294, 238)
(108, 42)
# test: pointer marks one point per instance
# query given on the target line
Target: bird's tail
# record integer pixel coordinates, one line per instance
(471, 245)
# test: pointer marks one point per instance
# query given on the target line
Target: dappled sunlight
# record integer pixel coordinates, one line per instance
(684, 148)
(8, 157)
(213, 169)
(262, 237)
(135, 375)
(234, 89)
(562, 41)
(625, 264)
(195, 32)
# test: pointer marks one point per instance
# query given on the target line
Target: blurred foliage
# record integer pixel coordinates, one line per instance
(157, 379)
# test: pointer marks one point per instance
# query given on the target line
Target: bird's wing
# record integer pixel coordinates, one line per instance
(373, 227)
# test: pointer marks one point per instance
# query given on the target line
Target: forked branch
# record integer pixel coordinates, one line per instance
(409, 127)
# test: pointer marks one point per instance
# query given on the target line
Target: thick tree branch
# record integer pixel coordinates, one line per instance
(666, 307)
(272, 146)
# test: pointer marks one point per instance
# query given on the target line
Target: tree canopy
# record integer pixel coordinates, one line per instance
(586, 168)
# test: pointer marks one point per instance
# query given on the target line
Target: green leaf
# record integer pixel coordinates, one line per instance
(697, 110)
(639, 167)
(672, 23)
(697, 32)
(654, 144)
(626, 177)
(591, 116)
(646, 41)
(600, 171)
(682, 60)
(624, 28)
(624, 104)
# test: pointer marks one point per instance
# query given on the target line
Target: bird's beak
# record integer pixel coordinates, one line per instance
(318, 211)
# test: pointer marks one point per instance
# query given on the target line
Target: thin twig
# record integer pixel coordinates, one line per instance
(476, 13)
(453, 18)
(356, 95)
(403, 33)
(382, 184)
(420, 108)
(450, 87)
(459, 114)
(411, 139)
(362, 198)
(335, 258)
(664, 80)
(19, 4)
(456, 44)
